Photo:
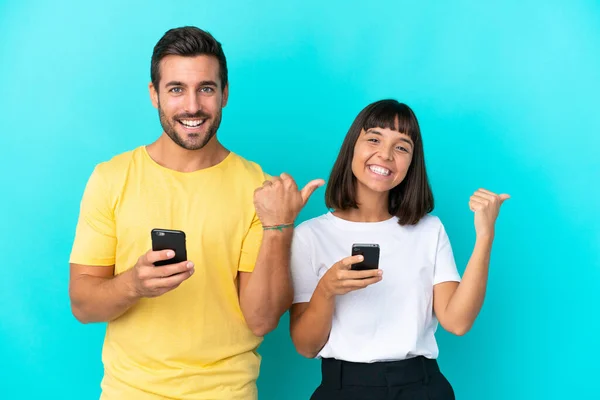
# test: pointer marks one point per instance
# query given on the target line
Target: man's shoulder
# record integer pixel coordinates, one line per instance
(111, 173)
(248, 167)
(117, 164)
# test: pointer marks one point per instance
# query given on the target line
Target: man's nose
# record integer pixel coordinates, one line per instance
(192, 104)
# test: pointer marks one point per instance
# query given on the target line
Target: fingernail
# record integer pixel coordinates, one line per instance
(360, 258)
(191, 272)
(380, 272)
(190, 265)
(170, 254)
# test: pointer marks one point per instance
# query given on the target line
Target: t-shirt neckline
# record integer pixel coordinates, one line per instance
(217, 166)
(352, 225)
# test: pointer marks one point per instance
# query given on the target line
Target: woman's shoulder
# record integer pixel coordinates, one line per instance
(312, 224)
(306, 232)
(429, 222)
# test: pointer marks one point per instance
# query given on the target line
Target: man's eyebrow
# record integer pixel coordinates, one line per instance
(202, 83)
(175, 83)
(208, 83)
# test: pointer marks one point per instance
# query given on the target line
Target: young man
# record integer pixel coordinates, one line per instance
(190, 329)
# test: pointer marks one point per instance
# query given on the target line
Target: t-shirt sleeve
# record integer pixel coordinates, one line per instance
(253, 239)
(445, 265)
(251, 246)
(95, 237)
(304, 276)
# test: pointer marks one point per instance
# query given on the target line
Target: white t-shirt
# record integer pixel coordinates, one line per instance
(392, 319)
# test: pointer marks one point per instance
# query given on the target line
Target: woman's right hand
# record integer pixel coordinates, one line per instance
(340, 279)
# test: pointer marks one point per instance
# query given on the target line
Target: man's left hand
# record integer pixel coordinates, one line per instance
(278, 201)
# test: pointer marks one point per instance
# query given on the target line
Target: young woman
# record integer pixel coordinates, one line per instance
(374, 329)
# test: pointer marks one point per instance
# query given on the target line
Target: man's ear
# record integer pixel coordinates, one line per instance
(225, 95)
(153, 95)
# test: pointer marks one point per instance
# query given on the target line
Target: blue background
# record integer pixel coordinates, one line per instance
(506, 94)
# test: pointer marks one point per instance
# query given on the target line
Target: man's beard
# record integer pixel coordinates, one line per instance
(169, 128)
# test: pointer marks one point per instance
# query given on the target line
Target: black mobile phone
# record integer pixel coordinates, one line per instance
(370, 252)
(169, 239)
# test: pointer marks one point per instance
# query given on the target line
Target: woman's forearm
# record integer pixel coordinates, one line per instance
(310, 330)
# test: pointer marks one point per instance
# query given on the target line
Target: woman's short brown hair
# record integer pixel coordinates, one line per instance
(412, 198)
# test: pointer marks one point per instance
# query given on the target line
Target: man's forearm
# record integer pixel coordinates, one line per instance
(98, 299)
(268, 292)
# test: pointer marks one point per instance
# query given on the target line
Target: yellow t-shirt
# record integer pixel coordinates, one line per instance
(192, 342)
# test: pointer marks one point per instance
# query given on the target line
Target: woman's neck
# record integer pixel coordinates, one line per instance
(372, 207)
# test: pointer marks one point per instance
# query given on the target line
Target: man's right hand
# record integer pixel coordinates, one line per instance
(147, 280)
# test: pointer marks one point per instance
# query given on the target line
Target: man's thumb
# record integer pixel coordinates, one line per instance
(309, 189)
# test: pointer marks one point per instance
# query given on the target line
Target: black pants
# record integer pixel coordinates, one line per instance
(413, 379)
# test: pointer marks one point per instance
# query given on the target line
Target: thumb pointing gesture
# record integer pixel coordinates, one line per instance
(279, 201)
(310, 188)
(503, 197)
(486, 206)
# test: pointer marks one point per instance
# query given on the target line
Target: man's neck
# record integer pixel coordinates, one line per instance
(172, 156)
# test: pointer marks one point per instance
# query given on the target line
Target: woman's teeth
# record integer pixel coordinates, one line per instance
(379, 170)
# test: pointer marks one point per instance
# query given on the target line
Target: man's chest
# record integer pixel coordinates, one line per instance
(214, 220)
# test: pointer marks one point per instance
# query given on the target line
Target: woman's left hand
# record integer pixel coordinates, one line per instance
(486, 206)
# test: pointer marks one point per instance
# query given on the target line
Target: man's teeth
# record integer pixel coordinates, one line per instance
(192, 123)
(379, 170)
